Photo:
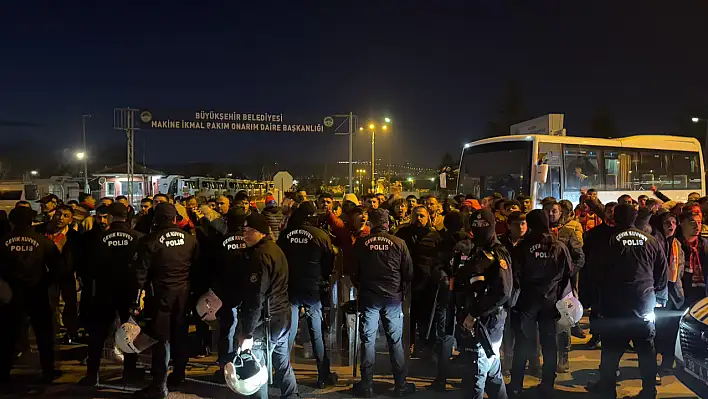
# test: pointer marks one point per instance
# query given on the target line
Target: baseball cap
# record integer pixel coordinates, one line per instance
(165, 212)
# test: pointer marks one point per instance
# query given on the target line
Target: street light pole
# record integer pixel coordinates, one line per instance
(373, 159)
(705, 143)
(87, 189)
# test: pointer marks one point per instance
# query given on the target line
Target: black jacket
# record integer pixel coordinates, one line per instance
(265, 278)
(165, 257)
(422, 243)
(205, 271)
(27, 258)
(382, 268)
(596, 242)
(494, 264)
(310, 257)
(115, 251)
(230, 268)
(633, 268)
(541, 271)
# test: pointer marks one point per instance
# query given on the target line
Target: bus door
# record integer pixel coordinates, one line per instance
(550, 153)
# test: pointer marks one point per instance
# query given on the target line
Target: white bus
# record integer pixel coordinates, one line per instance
(514, 165)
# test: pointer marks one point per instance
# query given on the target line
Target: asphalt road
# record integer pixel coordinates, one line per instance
(202, 382)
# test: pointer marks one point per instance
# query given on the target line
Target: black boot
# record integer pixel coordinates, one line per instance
(152, 392)
(438, 385)
(363, 390)
(328, 380)
(90, 380)
(405, 389)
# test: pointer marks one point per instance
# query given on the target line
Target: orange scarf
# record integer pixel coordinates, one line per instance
(674, 261)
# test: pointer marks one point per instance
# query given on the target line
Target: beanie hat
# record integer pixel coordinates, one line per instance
(625, 215)
(21, 216)
(258, 222)
(379, 218)
(270, 201)
(453, 221)
(537, 220)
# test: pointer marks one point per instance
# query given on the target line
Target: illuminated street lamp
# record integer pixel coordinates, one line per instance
(387, 120)
(80, 155)
(705, 145)
(34, 173)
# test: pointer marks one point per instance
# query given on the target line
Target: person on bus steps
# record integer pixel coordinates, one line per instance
(633, 270)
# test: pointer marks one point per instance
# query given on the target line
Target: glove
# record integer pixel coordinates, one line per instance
(246, 345)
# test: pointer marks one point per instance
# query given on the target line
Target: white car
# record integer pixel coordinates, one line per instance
(692, 349)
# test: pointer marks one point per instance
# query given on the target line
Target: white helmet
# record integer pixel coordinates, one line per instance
(570, 309)
(245, 375)
(130, 339)
(207, 306)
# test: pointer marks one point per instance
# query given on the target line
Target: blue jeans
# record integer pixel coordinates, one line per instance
(481, 374)
(313, 315)
(228, 321)
(284, 377)
(391, 316)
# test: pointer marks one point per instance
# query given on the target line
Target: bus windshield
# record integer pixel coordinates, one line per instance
(502, 167)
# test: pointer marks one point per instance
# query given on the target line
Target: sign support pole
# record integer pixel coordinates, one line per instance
(124, 119)
(353, 123)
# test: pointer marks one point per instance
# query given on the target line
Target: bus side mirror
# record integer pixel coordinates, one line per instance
(542, 173)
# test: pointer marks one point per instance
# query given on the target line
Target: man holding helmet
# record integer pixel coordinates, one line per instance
(111, 278)
(264, 317)
(165, 257)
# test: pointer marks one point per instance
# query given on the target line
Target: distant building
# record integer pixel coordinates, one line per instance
(145, 181)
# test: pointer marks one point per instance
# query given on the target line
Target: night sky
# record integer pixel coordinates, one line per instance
(438, 71)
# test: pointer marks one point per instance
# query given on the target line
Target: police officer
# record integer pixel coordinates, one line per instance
(28, 264)
(382, 271)
(453, 251)
(542, 269)
(634, 268)
(265, 305)
(164, 260)
(111, 279)
(482, 288)
(310, 256)
(230, 258)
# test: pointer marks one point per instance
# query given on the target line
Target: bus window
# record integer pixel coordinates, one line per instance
(686, 171)
(10, 195)
(652, 169)
(31, 192)
(581, 167)
(611, 172)
(502, 167)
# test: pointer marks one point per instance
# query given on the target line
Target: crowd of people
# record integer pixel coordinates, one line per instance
(483, 277)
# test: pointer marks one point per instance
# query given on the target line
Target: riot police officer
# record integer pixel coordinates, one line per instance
(28, 264)
(542, 269)
(482, 287)
(310, 257)
(382, 271)
(230, 259)
(110, 282)
(634, 269)
(453, 251)
(264, 317)
(165, 257)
